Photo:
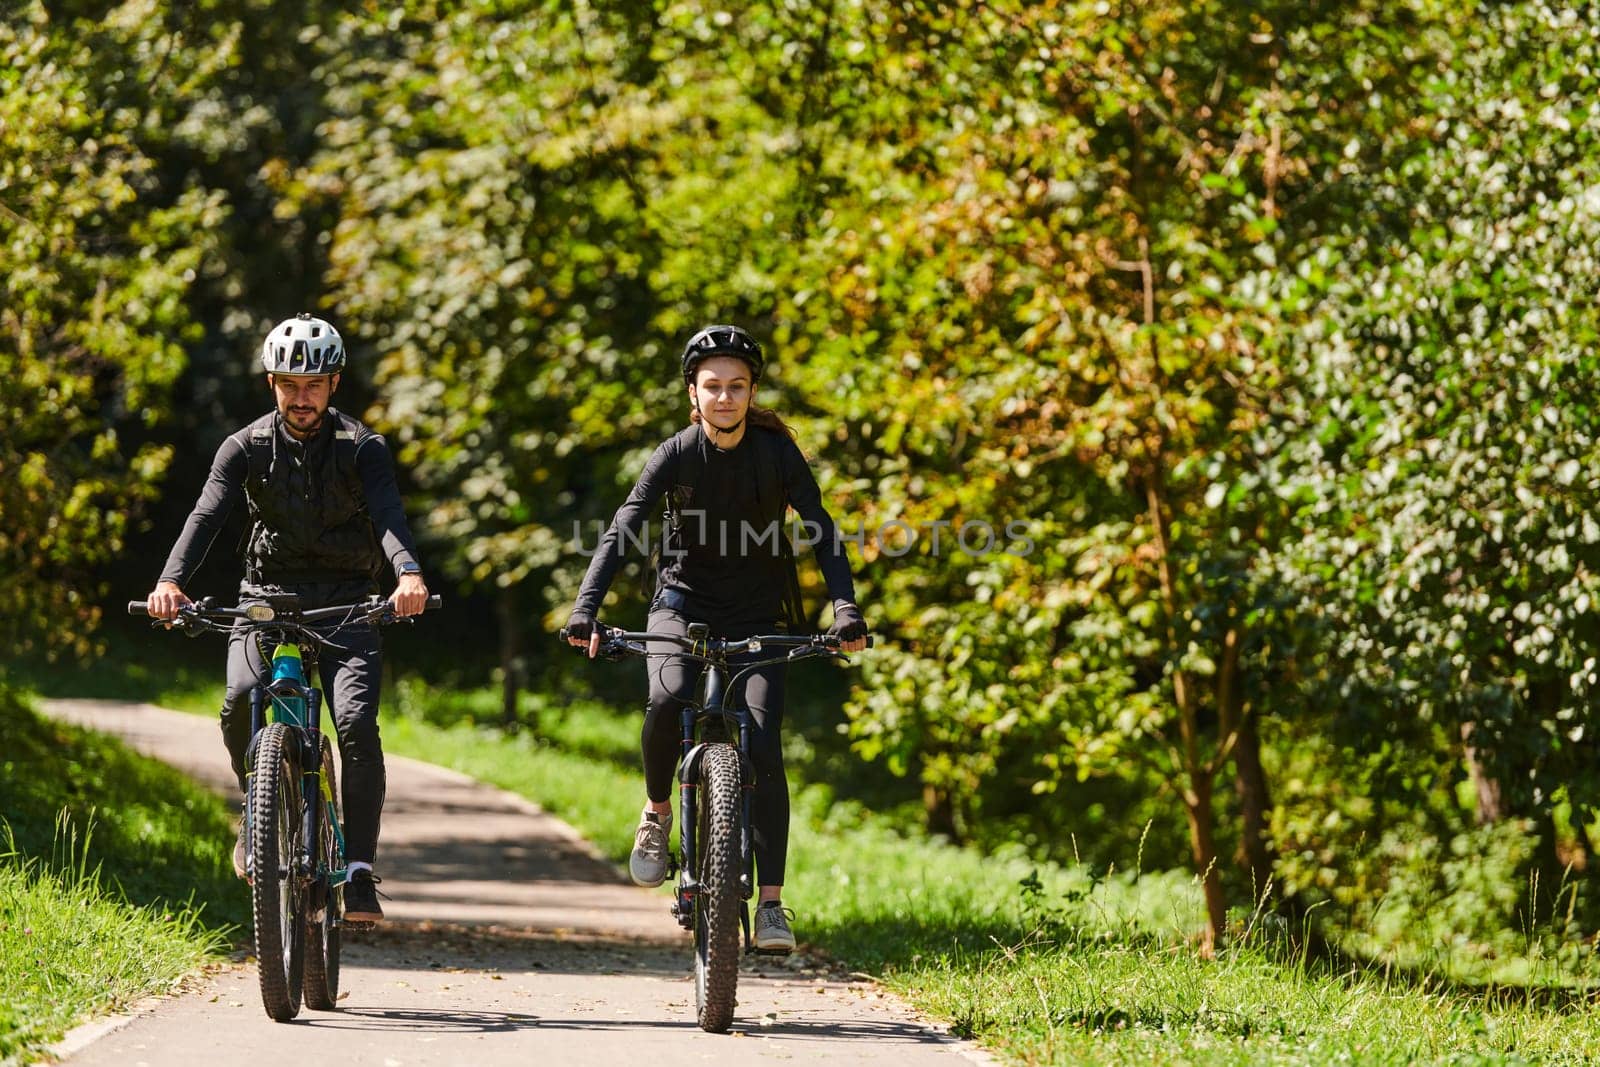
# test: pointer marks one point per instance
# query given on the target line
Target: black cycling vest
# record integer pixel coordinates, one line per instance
(308, 514)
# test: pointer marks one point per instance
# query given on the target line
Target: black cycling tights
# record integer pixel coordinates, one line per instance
(672, 684)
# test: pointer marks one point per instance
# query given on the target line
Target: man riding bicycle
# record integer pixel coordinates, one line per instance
(729, 478)
(325, 515)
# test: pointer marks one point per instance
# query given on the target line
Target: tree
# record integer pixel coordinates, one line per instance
(92, 310)
(1448, 427)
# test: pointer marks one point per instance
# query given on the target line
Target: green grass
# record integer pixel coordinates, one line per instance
(115, 879)
(1125, 1002)
(1046, 964)
(186, 676)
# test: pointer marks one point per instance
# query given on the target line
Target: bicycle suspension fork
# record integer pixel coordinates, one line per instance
(688, 885)
(687, 798)
(747, 792)
(258, 719)
(311, 782)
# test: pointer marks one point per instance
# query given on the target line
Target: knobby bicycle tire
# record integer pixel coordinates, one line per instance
(274, 828)
(322, 916)
(718, 904)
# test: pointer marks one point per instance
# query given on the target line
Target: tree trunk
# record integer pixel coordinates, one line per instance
(1490, 808)
(1250, 782)
(510, 620)
(1199, 772)
(1202, 839)
(939, 812)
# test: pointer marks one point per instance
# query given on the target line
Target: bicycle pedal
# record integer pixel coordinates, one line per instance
(770, 951)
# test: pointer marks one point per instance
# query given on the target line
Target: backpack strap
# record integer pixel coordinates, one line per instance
(691, 462)
(258, 454)
(772, 491)
(348, 433)
(258, 450)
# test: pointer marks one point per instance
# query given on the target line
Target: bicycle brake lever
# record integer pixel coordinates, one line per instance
(188, 625)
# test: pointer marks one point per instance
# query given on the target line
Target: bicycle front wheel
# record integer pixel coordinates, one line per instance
(717, 903)
(274, 840)
(325, 902)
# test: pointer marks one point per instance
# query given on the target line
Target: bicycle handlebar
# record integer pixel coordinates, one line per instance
(625, 638)
(372, 610)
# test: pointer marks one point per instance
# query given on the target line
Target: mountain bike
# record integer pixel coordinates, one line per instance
(294, 836)
(716, 862)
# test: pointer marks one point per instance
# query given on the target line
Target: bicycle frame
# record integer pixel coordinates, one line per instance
(711, 710)
(716, 877)
(291, 700)
(288, 697)
(295, 889)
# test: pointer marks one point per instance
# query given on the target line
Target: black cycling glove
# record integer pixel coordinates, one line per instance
(580, 625)
(848, 625)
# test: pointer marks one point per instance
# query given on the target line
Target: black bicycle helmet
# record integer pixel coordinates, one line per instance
(721, 341)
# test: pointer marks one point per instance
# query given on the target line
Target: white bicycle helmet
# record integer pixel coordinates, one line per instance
(303, 345)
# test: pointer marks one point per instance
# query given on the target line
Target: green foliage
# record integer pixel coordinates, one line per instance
(511, 180)
(98, 258)
(1439, 426)
(1260, 337)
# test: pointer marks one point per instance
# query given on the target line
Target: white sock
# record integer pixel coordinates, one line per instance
(357, 865)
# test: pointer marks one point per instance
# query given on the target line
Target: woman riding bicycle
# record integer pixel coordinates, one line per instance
(732, 475)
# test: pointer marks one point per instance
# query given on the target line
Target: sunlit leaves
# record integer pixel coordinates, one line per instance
(93, 317)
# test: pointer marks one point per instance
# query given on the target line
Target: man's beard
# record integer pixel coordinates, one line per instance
(294, 417)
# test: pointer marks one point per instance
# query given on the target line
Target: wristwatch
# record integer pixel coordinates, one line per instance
(410, 568)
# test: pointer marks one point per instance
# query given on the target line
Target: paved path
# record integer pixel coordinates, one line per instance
(511, 942)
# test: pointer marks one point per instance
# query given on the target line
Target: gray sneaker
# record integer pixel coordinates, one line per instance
(648, 862)
(772, 928)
